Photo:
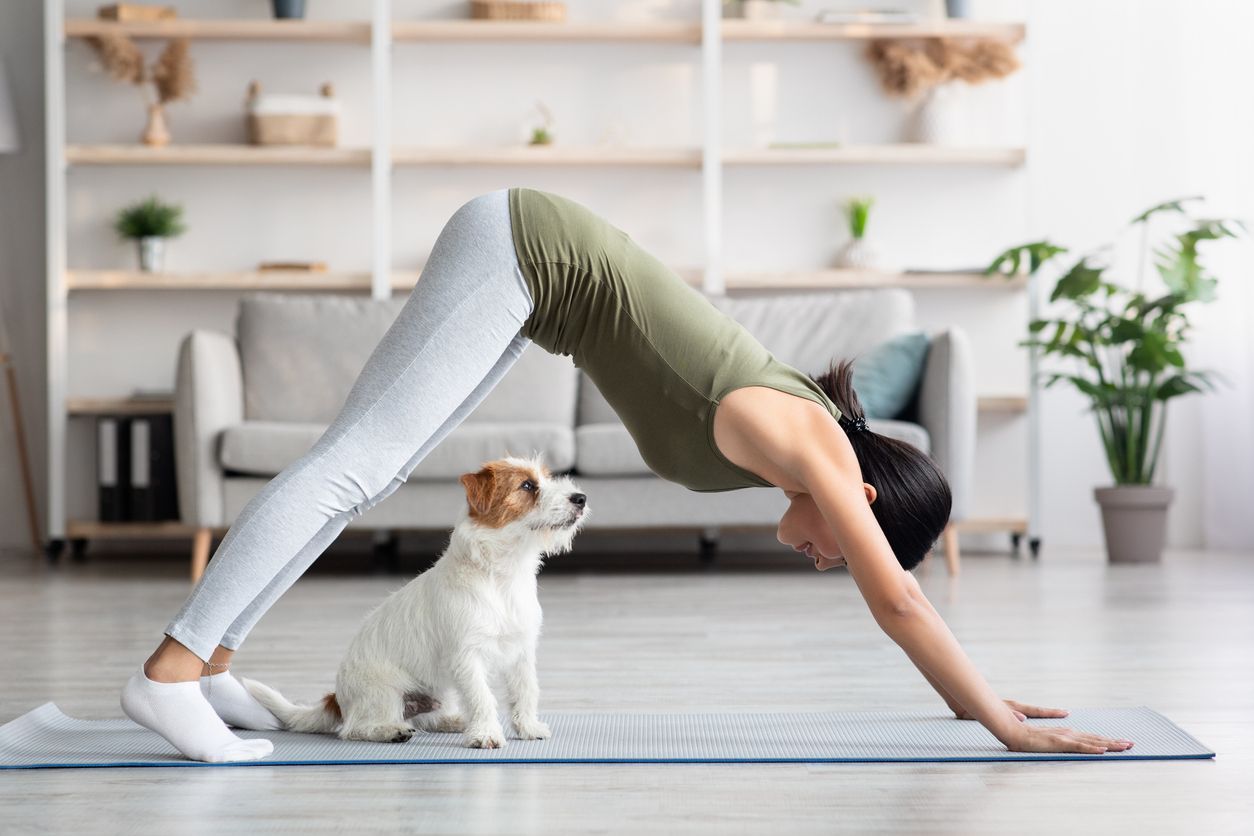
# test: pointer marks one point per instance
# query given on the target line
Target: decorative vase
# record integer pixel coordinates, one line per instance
(288, 9)
(857, 255)
(1134, 519)
(759, 9)
(156, 133)
(152, 254)
(937, 119)
(957, 8)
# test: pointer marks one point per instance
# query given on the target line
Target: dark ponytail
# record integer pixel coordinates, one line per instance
(912, 502)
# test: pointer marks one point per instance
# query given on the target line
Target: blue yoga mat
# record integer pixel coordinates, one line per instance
(47, 738)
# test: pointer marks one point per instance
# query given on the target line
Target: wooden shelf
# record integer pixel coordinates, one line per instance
(860, 279)
(783, 30)
(1006, 404)
(118, 406)
(244, 280)
(221, 154)
(96, 530)
(351, 31)
(549, 155)
(897, 154)
(518, 30)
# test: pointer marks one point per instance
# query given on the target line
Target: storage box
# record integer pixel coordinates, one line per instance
(517, 10)
(135, 13)
(293, 119)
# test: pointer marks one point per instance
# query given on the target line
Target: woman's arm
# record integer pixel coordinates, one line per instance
(802, 448)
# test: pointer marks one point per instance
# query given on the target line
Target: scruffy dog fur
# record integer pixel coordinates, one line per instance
(428, 658)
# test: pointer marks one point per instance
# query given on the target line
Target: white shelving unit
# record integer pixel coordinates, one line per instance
(377, 37)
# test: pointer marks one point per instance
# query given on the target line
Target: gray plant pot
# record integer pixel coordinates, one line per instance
(1134, 518)
(958, 8)
(288, 9)
(152, 254)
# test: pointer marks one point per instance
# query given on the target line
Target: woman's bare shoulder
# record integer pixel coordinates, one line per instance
(772, 433)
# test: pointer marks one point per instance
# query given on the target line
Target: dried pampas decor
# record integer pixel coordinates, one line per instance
(172, 77)
(910, 67)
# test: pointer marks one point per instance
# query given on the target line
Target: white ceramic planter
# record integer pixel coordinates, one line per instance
(152, 254)
(938, 118)
(858, 255)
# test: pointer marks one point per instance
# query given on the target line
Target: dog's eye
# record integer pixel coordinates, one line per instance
(528, 486)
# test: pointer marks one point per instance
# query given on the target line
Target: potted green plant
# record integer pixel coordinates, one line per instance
(1125, 348)
(857, 254)
(150, 222)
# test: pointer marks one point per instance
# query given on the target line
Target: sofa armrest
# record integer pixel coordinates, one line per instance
(947, 410)
(208, 397)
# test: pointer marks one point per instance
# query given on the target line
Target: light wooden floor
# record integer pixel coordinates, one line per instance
(1068, 630)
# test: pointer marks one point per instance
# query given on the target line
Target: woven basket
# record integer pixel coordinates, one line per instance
(517, 10)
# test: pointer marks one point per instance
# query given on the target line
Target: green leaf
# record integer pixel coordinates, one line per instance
(1009, 263)
(1176, 205)
(1080, 281)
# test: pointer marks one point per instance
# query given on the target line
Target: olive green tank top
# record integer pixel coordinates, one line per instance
(661, 354)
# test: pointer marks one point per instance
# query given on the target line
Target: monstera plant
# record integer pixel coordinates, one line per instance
(1121, 347)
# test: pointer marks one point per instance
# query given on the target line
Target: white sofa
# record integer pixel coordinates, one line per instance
(248, 404)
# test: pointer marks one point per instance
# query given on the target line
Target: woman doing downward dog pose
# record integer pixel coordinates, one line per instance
(708, 406)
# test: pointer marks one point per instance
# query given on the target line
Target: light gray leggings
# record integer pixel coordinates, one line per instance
(453, 340)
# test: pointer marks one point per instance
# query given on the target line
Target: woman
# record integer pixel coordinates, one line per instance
(708, 406)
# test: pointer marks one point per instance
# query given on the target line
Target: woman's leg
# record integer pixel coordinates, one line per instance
(453, 331)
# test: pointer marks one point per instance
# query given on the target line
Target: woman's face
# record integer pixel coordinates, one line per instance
(802, 526)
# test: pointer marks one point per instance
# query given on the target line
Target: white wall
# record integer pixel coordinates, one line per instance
(1096, 104)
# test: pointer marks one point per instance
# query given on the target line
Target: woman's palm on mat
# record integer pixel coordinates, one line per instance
(1052, 738)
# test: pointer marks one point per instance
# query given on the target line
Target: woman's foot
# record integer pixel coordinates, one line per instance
(232, 702)
(179, 712)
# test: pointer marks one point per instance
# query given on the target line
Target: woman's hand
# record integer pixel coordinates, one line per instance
(1028, 738)
(1021, 710)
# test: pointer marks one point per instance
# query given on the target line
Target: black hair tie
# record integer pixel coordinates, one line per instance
(857, 425)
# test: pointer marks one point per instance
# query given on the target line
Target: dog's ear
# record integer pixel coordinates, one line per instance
(478, 489)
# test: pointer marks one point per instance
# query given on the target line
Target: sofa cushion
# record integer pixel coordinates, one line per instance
(886, 378)
(607, 450)
(301, 354)
(263, 448)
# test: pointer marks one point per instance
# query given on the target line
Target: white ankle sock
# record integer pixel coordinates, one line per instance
(235, 705)
(179, 712)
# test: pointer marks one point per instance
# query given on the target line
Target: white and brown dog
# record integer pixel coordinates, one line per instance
(429, 656)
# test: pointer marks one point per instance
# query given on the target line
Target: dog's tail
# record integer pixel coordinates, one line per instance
(323, 718)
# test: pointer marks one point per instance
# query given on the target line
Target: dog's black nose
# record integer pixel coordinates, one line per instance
(578, 499)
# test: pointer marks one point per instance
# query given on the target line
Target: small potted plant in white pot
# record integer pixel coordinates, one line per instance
(150, 223)
(1126, 346)
(858, 254)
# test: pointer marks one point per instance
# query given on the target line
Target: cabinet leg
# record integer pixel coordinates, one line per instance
(707, 547)
(386, 551)
(78, 549)
(201, 542)
(951, 548)
(53, 549)
(1034, 547)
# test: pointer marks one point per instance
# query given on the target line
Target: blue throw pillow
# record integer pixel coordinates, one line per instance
(887, 376)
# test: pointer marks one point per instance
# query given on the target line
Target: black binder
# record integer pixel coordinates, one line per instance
(113, 467)
(153, 492)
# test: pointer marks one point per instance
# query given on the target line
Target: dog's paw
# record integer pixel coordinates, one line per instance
(485, 738)
(389, 733)
(532, 729)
